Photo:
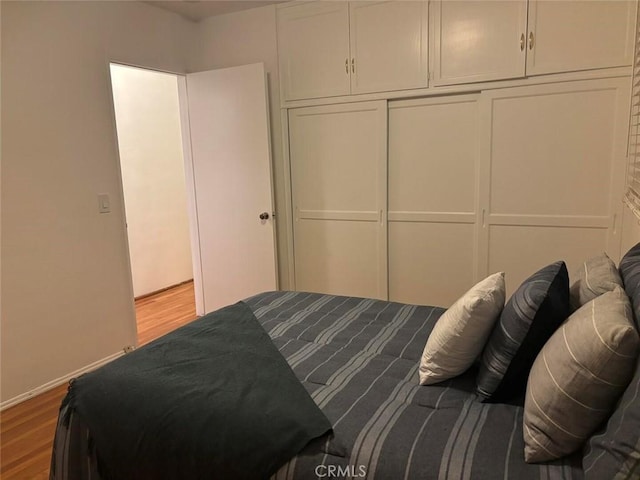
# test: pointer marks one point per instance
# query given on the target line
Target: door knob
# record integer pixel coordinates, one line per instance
(264, 216)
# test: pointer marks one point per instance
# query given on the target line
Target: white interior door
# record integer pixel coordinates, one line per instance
(228, 166)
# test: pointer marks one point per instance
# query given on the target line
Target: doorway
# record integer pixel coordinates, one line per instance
(220, 124)
(148, 124)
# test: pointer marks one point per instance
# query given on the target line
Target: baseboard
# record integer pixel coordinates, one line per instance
(57, 382)
(155, 292)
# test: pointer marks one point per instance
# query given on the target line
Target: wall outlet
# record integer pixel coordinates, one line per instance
(129, 349)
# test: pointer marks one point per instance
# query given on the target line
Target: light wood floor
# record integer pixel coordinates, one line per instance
(26, 430)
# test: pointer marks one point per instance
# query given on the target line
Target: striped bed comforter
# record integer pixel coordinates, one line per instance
(358, 358)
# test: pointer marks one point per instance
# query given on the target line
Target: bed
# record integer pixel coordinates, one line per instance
(358, 360)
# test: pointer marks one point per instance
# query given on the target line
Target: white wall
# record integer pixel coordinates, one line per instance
(66, 288)
(150, 142)
(241, 38)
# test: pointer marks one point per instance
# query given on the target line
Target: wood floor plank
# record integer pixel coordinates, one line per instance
(27, 429)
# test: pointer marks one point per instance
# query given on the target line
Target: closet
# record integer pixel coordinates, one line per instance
(415, 199)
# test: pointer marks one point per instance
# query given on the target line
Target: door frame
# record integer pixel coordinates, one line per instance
(194, 237)
(190, 183)
(192, 207)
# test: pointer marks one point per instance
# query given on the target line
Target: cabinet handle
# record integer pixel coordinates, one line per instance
(530, 40)
(522, 42)
(353, 65)
(346, 66)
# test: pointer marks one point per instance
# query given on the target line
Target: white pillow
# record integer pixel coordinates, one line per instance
(461, 332)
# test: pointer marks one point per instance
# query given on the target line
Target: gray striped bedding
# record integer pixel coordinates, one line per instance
(358, 358)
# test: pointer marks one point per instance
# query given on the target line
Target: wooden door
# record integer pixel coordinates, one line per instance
(388, 45)
(228, 167)
(338, 174)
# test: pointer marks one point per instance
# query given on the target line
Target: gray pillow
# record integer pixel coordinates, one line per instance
(597, 275)
(578, 376)
(614, 452)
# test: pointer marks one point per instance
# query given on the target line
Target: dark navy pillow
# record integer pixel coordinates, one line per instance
(529, 318)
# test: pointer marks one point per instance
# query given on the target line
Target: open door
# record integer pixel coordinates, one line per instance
(228, 168)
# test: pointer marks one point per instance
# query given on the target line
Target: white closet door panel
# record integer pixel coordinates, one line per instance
(433, 155)
(433, 177)
(313, 46)
(338, 157)
(520, 251)
(338, 257)
(430, 263)
(339, 170)
(552, 152)
(577, 35)
(474, 41)
(388, 45)
(552, 169)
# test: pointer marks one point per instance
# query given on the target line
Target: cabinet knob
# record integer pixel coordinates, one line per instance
(346, 66)
(264, 216)
(522, 42)
(353, 65)
(531, 41)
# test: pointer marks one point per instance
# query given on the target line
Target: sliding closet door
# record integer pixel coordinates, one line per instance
(433, 169)
(553, 170)
(338, 173)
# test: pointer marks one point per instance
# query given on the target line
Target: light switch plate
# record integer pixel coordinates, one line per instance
(104, 204)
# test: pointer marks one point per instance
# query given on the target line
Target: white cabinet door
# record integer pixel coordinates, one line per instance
(433, 215)
(313, 49)
(552, 175)
(579, 35)
(473, 41)
(338, 161)
(388, 45)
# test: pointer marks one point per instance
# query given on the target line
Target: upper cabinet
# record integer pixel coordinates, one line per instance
(334, 48)
(475, 41)
(579, 35)
(481, 41)
(388, 45)
(337, 48)
(313, 49)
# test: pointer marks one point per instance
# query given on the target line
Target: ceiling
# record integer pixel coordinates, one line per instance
(198, 10)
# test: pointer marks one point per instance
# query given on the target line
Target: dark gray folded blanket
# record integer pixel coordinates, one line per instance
(213, 399)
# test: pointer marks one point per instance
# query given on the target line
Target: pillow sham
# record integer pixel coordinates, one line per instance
(597, 275)
(532, 314)
(615, 451)
(578, 376)
(461, 332)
